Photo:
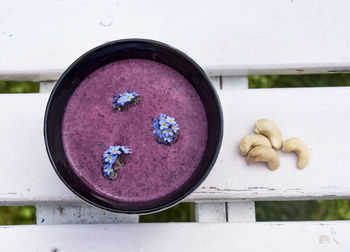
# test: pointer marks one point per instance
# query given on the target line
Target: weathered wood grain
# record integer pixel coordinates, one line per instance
(39, 39)
(273, 236)
(319, 116)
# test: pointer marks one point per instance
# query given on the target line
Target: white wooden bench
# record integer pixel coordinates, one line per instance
(230, 39)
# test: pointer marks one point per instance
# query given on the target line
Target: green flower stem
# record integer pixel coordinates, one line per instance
(119, 163)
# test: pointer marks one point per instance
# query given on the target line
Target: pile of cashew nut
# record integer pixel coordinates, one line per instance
(262, 146)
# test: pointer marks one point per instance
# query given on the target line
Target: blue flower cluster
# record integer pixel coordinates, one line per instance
(112, 160)
(166, 129)
(121, 100)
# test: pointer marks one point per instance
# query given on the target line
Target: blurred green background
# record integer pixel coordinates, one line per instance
(184, 212)
(19, 87)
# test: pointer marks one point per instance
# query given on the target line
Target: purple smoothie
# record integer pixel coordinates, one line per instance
(91, 125)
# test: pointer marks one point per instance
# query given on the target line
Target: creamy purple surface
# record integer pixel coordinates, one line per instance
(91, 125)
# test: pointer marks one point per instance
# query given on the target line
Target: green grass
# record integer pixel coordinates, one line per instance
(184, 212)
(19, 87)
(302, 210)
(289, 81)
(17, 215)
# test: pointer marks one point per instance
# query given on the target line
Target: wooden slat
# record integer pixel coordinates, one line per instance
(79, 213)
(219, 211)
(319, 116)
(46, 87)
(303, 236)
(211, 212)
(26, 173)
(316, 115)
(243, 211)
(39, 38)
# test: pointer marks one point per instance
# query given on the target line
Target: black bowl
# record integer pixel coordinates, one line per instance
(105, 54)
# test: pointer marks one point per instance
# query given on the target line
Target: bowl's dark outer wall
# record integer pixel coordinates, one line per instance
(105, 54)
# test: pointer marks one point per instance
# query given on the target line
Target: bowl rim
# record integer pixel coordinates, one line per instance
(216, 100)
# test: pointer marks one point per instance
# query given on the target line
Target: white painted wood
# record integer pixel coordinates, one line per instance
(309, 113)
(243, 211)
(39, 38)
(46, 87)
(218, 211)
(316, 115)
(231, 83)
(275, 236)
(79, 213)
(211, 212)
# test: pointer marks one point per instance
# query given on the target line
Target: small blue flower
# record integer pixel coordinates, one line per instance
(170, 120)
(116, 98)
(134, 93)
(162, 133)
(107, 170)
(168, 132)
(110, 159)
(163, 124)
(156, 131)
(166, 129)
(169, 139)
(125, 150)
(175, 128)
(115, 150)
(121, 101)
(162, 117)
(156, 123)
(129, 96)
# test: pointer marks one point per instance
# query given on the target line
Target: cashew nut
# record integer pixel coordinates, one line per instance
(252, 140)
(264, 154)
(269, 129)
(300, 148)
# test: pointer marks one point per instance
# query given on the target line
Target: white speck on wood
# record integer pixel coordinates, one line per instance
(324, 239)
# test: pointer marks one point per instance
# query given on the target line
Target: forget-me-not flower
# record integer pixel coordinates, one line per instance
(115, 150)
(122, 99)
(166, 129)
(163, 125)
(170, 120)
(109, 159)
(175, 128)
(107, 170)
